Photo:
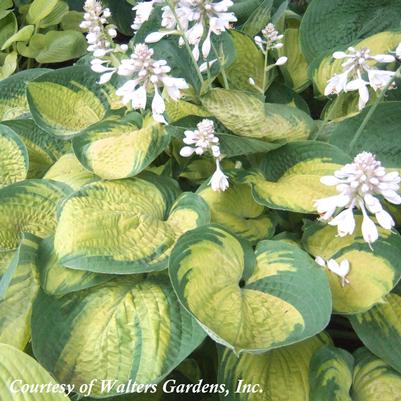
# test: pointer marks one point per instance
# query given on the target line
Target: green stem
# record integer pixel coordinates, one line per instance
(187, 45)
(223, 71)
(264, 72)
(373, 109)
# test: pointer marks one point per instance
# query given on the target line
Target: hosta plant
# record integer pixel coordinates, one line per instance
(202, 193)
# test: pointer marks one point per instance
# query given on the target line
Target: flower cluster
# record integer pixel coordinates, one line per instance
(358, 74)
(203, 140)
(358, 185)
(194, 19)
(270, 39)
(147, 75)
(340, 269)
(100, 39)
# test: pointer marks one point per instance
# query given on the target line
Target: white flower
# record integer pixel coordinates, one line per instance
(356, 64)
(148, 75)
(198, 20)
(201, 140)
(106, 72)
(99, 37)
(281, 60)
(270, 40)
(359, 184)
(360, 85)
(378, 79)
(337, 84)
(341, 269)
(219, 181)
(143, 11)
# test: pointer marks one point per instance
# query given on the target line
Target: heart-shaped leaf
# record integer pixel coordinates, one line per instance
(245, 300)
(135, 223)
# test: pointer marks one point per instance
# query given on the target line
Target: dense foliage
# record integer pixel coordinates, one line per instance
(199, 190)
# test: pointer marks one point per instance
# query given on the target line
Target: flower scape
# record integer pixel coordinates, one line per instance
(200, 200)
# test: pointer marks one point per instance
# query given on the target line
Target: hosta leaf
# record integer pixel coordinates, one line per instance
(40, 9)
(8, 27)
(59, 280)
(113, 149)
(258, 19)
(249, 63)
(236, 210)
(243, 9)
(9, 65)
(374, 379)
(18, 294)
(330, 23)
(385, 146)
(13, 101)
(125, 226)
(176, 110)
(59, 46)
(6, 4)
(15, 364)
(14, 161)
(246, 115)
(56, 15)
(43, 148)
(70, 171)
(372, 274)
(177, 57)
(295, 70)
(134, 328)
(330, 376)
(324, 67)
(290, 175)
(22, 35)
(84, 102)
(245, 300)
(280, 374)
(28, 207)
(380, 329)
